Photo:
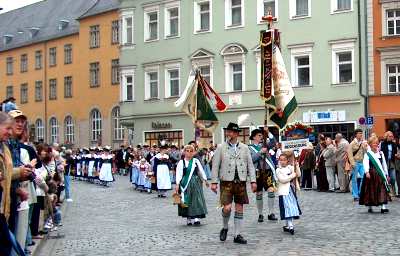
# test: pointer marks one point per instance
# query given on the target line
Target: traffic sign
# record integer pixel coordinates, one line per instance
(361, 120)
(370, 120)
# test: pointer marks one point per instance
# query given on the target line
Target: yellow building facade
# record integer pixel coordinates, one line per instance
(68, 85)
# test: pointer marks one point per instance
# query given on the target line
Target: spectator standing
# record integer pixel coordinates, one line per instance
(341, 156)
(357, 149)
(389, 149)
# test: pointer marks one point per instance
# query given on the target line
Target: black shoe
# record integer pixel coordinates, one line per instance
(189, 224)
(239, 240)
(197, 223)
(291, 231)
(370, 210)
(260, 218)
(286, 229)
(272, 217)
(223, 234)
(158, 195)
(384, 210)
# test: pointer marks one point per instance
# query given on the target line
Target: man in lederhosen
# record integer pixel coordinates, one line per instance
(264, 173)
(231, 166)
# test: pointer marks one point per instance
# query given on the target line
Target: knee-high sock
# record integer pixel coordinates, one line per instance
(225, 218)
(271, 202)
(238, 221)
(290, 222)
(259, 202)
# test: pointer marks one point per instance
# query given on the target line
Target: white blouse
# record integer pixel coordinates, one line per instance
(180, 166)
(378, 156)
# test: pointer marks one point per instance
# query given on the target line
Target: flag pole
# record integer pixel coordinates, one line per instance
(269, 19)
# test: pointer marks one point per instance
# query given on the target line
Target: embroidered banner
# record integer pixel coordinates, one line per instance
(266, 47)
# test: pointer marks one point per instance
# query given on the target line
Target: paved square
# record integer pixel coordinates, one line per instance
(121, 221)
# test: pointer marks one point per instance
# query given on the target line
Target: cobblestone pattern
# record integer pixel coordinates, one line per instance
(121, 221)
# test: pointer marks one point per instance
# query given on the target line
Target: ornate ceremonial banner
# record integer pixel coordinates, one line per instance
(266, 45)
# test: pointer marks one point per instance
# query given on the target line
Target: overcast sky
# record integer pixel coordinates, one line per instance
(9, 5)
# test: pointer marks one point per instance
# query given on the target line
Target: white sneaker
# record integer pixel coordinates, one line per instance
(69, 200)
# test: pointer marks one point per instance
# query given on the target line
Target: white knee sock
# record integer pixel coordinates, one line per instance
(260, 204)
(290, 223)
(383, 206)
(238, 221)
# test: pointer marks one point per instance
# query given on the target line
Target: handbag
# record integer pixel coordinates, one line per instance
(177, 200)
(347, 165)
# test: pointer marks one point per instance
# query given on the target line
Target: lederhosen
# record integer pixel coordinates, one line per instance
(234, 191)
(264, 177)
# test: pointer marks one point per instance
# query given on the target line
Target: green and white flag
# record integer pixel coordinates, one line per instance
(195, 102)
(283, 102)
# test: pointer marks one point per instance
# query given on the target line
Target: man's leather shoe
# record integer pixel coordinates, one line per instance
(223, 234)
(286, 229)
(239, 240)
(260, 218)
(384, 210)
(272, 217)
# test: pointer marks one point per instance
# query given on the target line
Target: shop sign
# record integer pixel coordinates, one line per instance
(324, 116)
(159, 125)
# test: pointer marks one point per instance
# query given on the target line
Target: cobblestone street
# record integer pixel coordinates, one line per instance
(121, 221)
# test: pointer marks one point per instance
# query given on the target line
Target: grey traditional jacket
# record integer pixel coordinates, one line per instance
(228, 158)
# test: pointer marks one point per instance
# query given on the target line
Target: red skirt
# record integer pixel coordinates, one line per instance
(373, 191)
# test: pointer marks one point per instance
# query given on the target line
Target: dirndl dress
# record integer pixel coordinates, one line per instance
(135, 174)
(106, 170)
(196, 203)
(373, 191)
(289, 206)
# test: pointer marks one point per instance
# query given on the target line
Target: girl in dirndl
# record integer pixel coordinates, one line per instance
(105, 166)
(135, 173)
(288, 204)
(189, 183)
(375, 187)
(143, 182)
(161, 167)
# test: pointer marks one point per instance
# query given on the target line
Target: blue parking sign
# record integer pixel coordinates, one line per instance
(370, 120)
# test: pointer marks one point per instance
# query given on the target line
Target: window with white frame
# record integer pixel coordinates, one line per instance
(343, 62)
(393, 22)
(263, 8)
(127, 85)
(393, 78)
(54, 130)
(172, 88)
(341, 5)
(172, 16)
(118, 129)
(203, 60)
(234, 61)
(299, 8)
(202, 16)
(69, 130)
(127, 18)
(151, 24)
(96, 125)
(301, 65)
(302, 69)
(39, 129)
(234, 13)
(205, 71)
(151, 84)
(115, 32)
(236, 70)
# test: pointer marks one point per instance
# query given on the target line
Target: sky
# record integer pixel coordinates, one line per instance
(9, 5)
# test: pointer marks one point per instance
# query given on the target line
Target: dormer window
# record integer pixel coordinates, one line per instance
(33, 31)
(62, 24)
(7, 39)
